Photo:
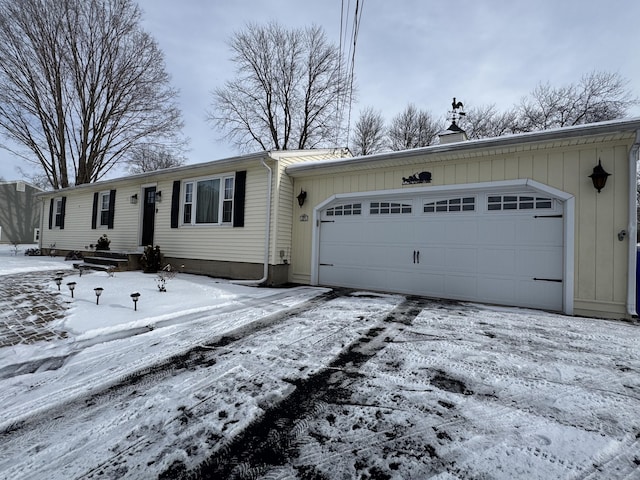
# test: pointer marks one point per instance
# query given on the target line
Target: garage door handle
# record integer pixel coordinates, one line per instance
(559, 280)
(416, 256)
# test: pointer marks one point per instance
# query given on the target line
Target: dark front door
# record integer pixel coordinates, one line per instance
(148, 215)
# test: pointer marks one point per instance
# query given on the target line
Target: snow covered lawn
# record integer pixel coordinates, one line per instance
(216, 380)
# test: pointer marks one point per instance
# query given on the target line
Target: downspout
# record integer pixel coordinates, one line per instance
(633, 226)
(267, 232)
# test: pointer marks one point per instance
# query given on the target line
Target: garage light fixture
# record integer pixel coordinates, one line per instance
(302, 196)
(599, 176)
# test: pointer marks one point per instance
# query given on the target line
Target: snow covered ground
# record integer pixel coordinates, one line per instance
(215, 380)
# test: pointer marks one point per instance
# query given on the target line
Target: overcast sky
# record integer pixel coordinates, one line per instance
(419, 51)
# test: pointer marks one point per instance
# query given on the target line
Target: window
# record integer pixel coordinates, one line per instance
(227, 202)
(463, 204)
(188, 202)
(104, 209)
(58, 212)
(389, 208)
(208, 201)
(518, 202)
(343, 210)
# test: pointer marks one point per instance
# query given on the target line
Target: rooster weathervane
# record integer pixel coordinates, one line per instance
(456, 111)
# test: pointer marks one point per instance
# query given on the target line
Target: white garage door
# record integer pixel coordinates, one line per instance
(493, 247)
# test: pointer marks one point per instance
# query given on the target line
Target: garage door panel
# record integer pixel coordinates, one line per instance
(355, 256)
(429, 284)
(484, 256)
(539, 294)
(497, 261)
(461, 259)
(460, 231)
(496, 231)
(388, 232)
(540, 231)
(497, 290)
(429, 232)
(541, 262)
(461, 287)
(432, 257)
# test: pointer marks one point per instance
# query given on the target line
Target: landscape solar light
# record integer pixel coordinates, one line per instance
(58, 281)
(135, 296)
(72, 286)
(98, 291)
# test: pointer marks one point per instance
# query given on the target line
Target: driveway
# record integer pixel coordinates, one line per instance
(339, 384)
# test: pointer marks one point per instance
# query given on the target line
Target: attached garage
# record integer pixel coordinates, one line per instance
(513, 220)
(501, 244)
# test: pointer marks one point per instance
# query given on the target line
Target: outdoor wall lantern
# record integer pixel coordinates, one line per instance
(58, 281)
(135, 296)
(158, 196)
(599, 176)
(302, 196)
(134, 199)
(98, 291)
(72, 286)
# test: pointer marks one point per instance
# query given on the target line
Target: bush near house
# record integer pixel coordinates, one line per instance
(103, 243)
(151, 259)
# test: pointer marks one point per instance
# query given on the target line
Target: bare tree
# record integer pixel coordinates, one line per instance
(287, 90)
(598, 96)
(485, 121)
(149, 158)
(412, 128)
(369, 133)
(80, 85)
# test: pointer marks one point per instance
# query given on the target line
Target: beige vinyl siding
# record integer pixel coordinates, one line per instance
(600, 259)
(217, 242)
(78, 234)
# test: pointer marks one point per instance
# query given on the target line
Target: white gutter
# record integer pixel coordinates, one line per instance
(632, 226)
(267, 233)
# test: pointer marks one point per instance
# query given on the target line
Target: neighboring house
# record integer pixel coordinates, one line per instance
(19, 213)
(513, 220)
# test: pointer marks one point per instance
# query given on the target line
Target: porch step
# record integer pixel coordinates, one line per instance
(106, 261)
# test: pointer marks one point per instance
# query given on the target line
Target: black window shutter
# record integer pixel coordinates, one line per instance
(94, 214)
(112, 208)
(62, 212)
(175, 204)
(238, 198)
(51, 214)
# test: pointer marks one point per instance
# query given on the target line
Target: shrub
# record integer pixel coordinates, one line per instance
(103, 242)
(151, 259)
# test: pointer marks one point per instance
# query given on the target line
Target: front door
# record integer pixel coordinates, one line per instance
(148, 215)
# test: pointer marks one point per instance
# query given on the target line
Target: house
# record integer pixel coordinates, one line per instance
(19, 213)
(229, 218)
(514, 220)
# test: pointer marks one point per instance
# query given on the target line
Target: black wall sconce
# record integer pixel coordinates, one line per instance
(599, 176)
(158, 196)
(134, 199)
(302, 197)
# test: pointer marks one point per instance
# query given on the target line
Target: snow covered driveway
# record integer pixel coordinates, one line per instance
(305, 383)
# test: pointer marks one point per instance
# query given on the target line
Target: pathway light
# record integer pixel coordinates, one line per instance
(135, 296)
(98, 291)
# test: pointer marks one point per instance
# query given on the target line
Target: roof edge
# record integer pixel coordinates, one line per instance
(590, 129)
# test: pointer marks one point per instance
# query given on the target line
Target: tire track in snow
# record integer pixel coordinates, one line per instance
(263, 444)
(32, 430)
